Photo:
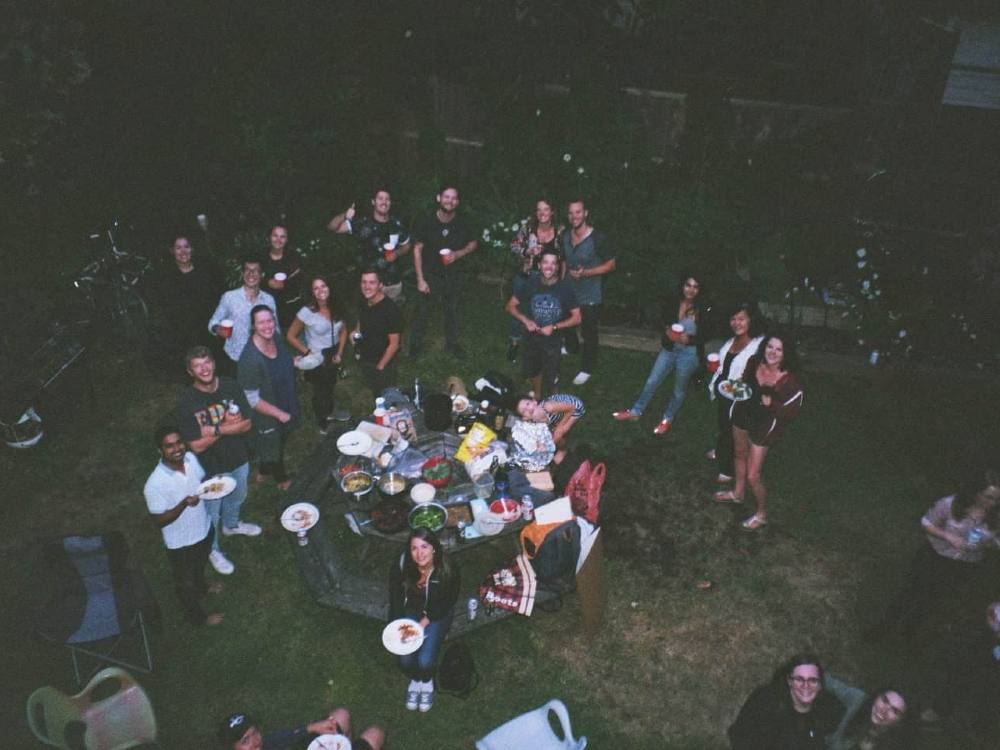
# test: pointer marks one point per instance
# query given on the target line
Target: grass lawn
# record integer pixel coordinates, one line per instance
(673, 663)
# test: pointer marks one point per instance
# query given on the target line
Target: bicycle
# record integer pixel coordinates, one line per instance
(110, 286)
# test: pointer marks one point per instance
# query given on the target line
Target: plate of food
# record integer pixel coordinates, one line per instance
(216, 487)
(402, 636)
(354, 443)
(735, 390)
(300, 517)
(330, 742)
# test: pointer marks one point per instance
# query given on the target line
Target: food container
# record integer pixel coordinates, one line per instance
(430, 516)
(357, 483)
(390, 515)
(437, 471)
(508, 510)
(392, 485)
(422, 493)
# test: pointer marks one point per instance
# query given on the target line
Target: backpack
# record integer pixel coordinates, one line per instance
(457, 673)
(553, 549)
(584, 490)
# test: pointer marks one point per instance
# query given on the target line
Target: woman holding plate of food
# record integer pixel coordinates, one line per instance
(733, 358)
(773, 401)
(423, 586)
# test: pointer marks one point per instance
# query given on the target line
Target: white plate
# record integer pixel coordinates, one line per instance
(227, 482)
(330, 742)
(392, 639)
(300, 517)
(354, 443)
(733, 397)
(310, 361)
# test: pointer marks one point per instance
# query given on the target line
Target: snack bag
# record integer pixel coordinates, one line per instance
(476, 442)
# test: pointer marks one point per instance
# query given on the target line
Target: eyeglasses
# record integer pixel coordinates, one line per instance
(800, 681)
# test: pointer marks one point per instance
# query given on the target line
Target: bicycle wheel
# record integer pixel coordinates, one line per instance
(129, 318)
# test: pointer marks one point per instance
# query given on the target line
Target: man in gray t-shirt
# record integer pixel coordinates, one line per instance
(588, 257)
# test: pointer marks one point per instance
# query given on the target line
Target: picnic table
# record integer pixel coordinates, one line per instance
(335, 579)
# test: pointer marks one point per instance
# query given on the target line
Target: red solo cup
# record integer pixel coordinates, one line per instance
(280, 276)
(446, 255)
(713, 362)
(676, 331)
(225, 328)
(390, 252)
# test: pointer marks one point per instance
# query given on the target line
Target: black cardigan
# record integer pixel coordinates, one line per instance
(440, 598)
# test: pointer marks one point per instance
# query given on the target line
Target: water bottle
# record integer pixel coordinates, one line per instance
(502, 491)
(527, 507)
(473, 607)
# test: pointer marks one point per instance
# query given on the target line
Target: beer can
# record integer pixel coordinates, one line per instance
(473, 607)
(527, 507)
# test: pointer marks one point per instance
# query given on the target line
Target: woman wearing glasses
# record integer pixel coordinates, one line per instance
(791, 712)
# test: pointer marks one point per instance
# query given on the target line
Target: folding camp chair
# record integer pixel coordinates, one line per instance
(534, 730)
(122, 719)
(96, 602)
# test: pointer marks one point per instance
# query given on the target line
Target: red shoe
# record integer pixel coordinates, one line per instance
(625, 416)
(662, 427)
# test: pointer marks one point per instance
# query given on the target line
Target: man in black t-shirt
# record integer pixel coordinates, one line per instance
(214, 417)
(382, 239)
(546, 304)
(440, 240)
(380, 326)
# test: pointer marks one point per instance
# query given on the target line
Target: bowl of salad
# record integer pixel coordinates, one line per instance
(430, 516)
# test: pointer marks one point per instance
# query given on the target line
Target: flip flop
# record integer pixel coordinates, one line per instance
(727, 496)
(754, 523)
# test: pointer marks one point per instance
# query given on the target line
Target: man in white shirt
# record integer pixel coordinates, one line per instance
(235, 306)
(172, 499)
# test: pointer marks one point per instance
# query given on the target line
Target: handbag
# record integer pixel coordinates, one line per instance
(584, 490)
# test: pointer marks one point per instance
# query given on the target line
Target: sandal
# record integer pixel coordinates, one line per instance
(754, 523)
(727, 496)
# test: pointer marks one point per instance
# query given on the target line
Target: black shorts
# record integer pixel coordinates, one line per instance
(540, 360)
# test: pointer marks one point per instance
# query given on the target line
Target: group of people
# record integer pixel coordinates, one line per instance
(241, 400)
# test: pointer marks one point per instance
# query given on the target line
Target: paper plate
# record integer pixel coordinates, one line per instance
(397, 630)
(214, 488)
(310, 361)
(354, 443)
(300, 517)
(330, 742)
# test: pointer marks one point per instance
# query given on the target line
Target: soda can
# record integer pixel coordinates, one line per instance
(234, 408)
(975, 536)
(527, 508)
(473, 607)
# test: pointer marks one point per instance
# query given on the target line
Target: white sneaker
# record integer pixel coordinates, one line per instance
(581, 378)
(220, 563)
(242, 529)
(426, 698)
(413, 695)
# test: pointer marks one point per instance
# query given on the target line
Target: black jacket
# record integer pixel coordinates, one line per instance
(436, 602)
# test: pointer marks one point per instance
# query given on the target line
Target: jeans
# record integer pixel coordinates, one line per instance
(227, 509)
(685, 360)
(444, 288)
(187, 564)
(591, 317)
(421, 663)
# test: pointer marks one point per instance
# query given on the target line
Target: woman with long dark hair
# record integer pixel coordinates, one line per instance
(775, 399)
(423, 585)
(267, 376)
(871, 722)
(791, 712)
(679, 352)
(538, 233)
(959, 529)
(322, 322)
(733, 358)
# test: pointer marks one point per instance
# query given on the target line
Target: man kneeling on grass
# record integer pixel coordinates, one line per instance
(240, 731)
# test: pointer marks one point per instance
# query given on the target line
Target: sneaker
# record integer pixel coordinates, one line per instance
(662, 427)
(412, 699)
(723, 478)
(626, 415)
(581, 378)
(242, 529)
(426, 699)
(220, 562)
(564, 351)
(512, 352)
(710, 455)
